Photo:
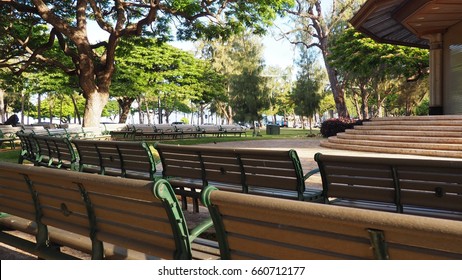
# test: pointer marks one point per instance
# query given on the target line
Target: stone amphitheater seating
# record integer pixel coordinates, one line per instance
(439, 136)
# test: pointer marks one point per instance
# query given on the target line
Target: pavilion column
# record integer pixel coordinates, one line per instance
(436, 73)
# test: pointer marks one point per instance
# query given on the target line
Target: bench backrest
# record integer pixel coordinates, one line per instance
(9, 132)
(209, 128)
(265, 172)
(133, 214)
(29, 148)
(117, 158)
(409, 185)
(232, 128)
(250, 227)
(57, 151)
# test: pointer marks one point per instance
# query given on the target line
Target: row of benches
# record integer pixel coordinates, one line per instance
(8, 132)
(96, 214)
(422, 187)
(170, 131)
(189, 169)
(115, 158)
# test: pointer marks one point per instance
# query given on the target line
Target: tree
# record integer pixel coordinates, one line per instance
(306, 93)
(163, 75)
(248, 92)
(314, 29)
(94, 63)
(377, 70)
(279, 83)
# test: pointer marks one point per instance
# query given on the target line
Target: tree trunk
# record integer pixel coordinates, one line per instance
(337, 91)
(76, 109)
(2, 105)
(94, 106)
(125, 104)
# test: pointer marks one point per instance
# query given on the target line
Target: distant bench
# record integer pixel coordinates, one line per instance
(108, 217)
(255, 227)
(276, 173)
(116, 158)
(414, 186)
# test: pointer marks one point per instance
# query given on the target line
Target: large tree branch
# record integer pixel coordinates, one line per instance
(100, 18)
(37, 55)
(19, 6)
(46, 14)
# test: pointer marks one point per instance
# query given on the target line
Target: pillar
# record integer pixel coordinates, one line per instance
(436, 73)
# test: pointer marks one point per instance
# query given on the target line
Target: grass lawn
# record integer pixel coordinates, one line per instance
(7, 155)
(285, 133)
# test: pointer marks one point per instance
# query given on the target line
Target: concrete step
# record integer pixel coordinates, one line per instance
(396, 144)
(419, 118)
(414, 123)
(389, 150)
(406, 133)
(410, 127)
(401, 138)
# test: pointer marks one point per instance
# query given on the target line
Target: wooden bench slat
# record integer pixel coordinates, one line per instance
(283, 183)
(362, 192)
(302, 238)
(240, 223)
(447, 202)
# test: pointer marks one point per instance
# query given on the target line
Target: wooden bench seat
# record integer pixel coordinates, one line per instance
(108, 217)
(276, 173)
(415, 186)
(116, 158)
(250, 227)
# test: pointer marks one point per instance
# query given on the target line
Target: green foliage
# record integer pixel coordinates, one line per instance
(64, 22)
(158, 70)
(331, 127)
(376, 70)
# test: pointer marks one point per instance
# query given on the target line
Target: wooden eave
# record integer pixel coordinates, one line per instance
(406, 22)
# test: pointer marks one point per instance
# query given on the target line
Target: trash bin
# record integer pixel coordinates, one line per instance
(273, 129)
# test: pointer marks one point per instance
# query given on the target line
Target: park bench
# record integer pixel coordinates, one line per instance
(210, 129)
(59, 132)
(8, 135)
(234, 129)
(188, 130)
(405, 185)
(36, 129)
(49, 151)
(143, 131)
(168, 131)
(116, 158)
(108, 217)
(29, 148)
(94, 132)
(276, 173)
(249, 227)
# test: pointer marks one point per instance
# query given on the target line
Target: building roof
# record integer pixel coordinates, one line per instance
(406, 22)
